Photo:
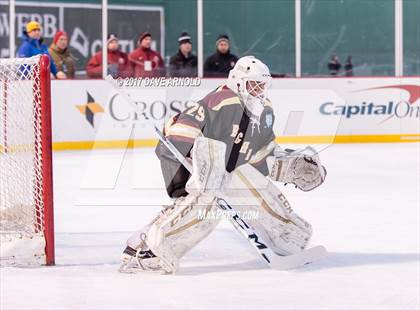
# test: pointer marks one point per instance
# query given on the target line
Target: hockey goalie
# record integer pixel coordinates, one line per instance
(228, 138)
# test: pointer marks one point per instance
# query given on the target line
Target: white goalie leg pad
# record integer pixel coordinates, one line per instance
(180, 228)
(286, 232)
(209, 172)
(140, 259)
(136, 239)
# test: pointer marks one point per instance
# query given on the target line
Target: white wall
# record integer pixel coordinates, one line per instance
(306, 110)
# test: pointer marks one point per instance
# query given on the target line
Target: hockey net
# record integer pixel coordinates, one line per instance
(26, 201)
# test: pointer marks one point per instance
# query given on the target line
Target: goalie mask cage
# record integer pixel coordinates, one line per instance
(26, 197)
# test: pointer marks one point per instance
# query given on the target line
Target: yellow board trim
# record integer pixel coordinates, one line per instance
(114, 144)
(108, 144)
(350, 139)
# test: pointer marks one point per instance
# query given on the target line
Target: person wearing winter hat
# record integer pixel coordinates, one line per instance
(220, 63)
(184, 62)
(118, 63)
(60, 53)
(33, 45)
(146, 62)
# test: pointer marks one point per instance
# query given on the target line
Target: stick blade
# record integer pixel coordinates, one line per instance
(299, 259)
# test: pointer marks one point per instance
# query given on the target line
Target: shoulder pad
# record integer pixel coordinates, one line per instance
(221, 98)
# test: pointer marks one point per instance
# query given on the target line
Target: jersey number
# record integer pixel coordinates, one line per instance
(195, 110)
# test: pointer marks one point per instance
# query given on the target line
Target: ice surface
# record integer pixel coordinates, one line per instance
(366, 214)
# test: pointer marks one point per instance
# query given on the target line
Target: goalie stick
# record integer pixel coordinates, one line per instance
(274, 260)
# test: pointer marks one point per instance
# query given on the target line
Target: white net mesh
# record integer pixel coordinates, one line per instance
(21, 191)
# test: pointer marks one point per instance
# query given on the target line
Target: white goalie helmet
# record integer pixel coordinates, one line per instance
(250, 79)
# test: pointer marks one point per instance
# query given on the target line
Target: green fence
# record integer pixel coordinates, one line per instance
(362, 29)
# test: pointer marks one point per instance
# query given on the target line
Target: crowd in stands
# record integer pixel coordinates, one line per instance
(143, 61)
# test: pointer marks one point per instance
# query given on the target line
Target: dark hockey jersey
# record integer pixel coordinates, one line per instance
(221, 116)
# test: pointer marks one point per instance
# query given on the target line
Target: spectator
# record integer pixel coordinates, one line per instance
(32, 45)
(60, 53)
(349, 67)
(183, 63)
(220, 63)
(118, 63)
(334, 65)
(146, 62)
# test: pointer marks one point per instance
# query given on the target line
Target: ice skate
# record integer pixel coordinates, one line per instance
(142, 259)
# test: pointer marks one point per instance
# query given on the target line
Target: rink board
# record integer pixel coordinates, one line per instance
(92, 114)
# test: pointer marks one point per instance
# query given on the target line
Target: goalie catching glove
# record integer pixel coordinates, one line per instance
(300, 167)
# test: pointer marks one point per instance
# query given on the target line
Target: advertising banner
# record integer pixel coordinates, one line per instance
(93, 113)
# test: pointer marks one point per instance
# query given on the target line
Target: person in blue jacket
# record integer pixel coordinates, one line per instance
(32, 45)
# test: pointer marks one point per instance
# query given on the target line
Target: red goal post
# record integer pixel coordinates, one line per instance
(26, 179)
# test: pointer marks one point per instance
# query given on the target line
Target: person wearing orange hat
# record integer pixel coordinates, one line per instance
(60, 52)
(32, 45)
